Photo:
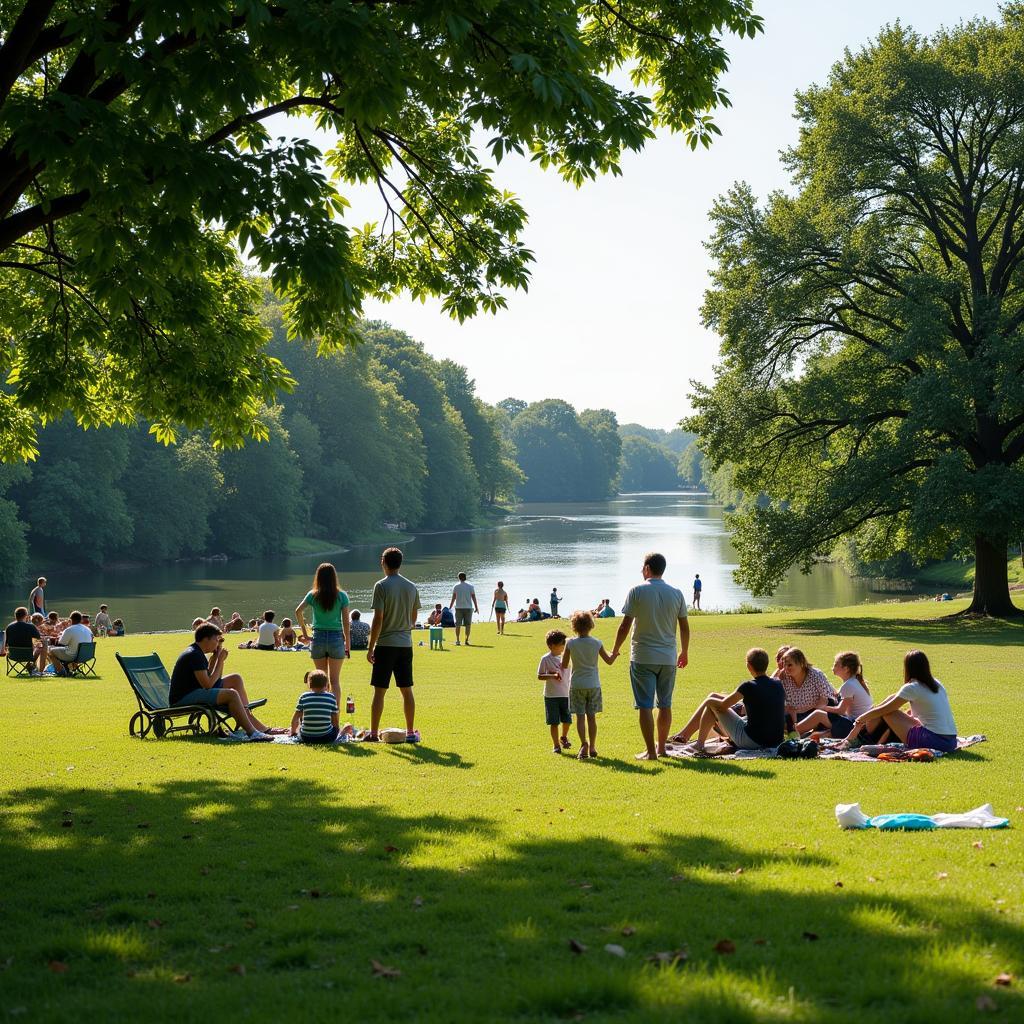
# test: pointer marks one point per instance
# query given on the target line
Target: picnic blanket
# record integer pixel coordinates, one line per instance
(851, 816)
(828, 750)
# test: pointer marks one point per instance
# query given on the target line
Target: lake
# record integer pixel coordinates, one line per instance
(588, 551)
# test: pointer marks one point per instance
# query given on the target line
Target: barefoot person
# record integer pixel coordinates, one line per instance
(764, 700)
(396, 604)
(657, 611)
(331, 641)
(198, 678)
(499, 603)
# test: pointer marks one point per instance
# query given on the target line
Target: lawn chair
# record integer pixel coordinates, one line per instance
(152, 688)
(84, 665)
(20, 661)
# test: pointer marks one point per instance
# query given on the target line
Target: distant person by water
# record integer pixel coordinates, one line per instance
(657, 610)
(499, 604)
(697, 588)
(604, 610)
(396, 605)
(554, 600)
(103, 621)
(37, 599)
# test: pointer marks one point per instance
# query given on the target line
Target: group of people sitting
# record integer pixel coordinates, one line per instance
(271, 637)
(50, 640)
(798, 702)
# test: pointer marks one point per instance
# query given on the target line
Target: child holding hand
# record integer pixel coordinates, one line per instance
(556, 690)
(582, 653)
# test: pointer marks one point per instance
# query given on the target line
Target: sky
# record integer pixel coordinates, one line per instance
(612, 316)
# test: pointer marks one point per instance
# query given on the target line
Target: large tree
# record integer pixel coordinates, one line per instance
(135, 159)
(872, 379)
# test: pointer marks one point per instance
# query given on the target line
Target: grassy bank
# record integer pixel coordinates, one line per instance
(961, 574)
(180, 880)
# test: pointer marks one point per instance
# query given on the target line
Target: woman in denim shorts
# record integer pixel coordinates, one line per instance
(331, 642)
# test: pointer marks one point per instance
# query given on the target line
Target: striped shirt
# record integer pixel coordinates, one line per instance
(316, 709)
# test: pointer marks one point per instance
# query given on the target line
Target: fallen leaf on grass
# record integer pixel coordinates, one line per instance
(383, 971)
(143, 824)
(1005, 978)
(150, 895)
(615, 950)
(238, 969)
(677, 878)
(418, 901)
(977, 844)
(725, 946)
(811, 936)
(576, 946)
(204, 871)
(155, 922)
(586, 885)
(629, 930)
(250, 924)
(669, 958)
(839, 885)
(390, 849)
(941, 875)
(314, 894)
(760, 942)
(58, 966)
(985, 1004)
(182, 979)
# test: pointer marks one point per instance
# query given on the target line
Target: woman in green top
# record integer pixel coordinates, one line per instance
(331, 642)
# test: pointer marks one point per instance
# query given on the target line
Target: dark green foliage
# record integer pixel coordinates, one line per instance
(135, 162)
(647, 466)
(676, 441)
(872, 321)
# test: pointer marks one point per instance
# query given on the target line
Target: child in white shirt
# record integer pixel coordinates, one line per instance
(556, 690)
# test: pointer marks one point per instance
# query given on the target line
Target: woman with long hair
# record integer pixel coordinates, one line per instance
(331, 640)
(931, 723)
(499, 606)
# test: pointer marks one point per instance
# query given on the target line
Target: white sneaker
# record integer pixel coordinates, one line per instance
(260, 737)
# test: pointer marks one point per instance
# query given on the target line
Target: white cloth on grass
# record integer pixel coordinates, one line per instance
(851, 816)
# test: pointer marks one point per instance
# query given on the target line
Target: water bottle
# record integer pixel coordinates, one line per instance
(350, 706)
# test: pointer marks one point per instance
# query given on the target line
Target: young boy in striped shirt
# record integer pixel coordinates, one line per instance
(316, 714)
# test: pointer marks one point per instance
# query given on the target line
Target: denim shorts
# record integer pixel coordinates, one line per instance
(206, 698)
(324, 737)
(650, 681)
(327, 643)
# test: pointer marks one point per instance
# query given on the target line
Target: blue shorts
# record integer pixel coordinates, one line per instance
(650, 681)
(327, 643)
(556, 711)
(205, 697)
(324, 737)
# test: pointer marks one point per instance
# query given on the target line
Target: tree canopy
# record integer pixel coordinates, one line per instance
(872, 373)
(136, 162)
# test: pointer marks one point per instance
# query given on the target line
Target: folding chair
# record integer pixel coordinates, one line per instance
(152, 688)
(84, 665)
(20, 661)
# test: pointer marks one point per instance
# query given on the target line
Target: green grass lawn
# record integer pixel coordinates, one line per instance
(961, 574)
(179, 879)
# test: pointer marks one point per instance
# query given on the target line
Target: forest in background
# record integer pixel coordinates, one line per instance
(379, 434)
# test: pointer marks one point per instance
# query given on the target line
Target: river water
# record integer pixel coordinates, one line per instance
(588, 551)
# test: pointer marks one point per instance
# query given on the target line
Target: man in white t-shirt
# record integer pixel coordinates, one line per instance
(66, 651)
(464, 602)
(657, 611)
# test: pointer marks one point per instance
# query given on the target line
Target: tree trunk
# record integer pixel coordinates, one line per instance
(991, 583)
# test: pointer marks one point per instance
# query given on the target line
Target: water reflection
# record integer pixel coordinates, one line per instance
(589, 551)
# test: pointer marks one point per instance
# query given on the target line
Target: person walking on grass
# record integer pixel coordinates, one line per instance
(654, 610)
(37, 599)
(581, 654)
(499, 604)
(198, 678)
(697, 588)
(396, 604)
(464, 602)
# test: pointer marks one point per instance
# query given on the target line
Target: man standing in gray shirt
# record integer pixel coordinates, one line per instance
(396, 602)
(657, 609)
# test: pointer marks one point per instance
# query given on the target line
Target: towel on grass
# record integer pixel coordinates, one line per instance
(828, 750)
(851, 816)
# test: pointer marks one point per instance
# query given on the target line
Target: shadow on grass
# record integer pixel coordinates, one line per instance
(913, 632)
(187, 900)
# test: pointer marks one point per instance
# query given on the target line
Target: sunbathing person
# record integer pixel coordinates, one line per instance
(806, 687)
(764, 701)
(234, 624)
(931, 725)
(216, 619)
(854, 700)
(289, 638)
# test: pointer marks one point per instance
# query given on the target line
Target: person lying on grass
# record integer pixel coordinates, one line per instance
(198, 678)
(854, 700)
(316, 714)
(764, 701)
(931, 723)
(556, 690)
(582, 652)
